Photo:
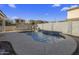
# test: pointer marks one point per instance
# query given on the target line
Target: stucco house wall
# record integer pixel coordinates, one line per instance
(73, 13)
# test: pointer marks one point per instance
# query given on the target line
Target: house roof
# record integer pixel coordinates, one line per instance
(72, 8)
(3, 14)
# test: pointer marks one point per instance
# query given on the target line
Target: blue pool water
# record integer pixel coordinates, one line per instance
(40, 37)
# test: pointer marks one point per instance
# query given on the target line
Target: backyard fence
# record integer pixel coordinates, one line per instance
(16, 28)
(68, 27)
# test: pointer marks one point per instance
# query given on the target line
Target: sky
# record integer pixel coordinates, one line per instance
(46, 12)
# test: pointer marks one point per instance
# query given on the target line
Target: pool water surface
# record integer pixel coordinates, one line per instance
(41, 37)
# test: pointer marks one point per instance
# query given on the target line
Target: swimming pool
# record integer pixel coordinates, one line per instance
(45, 38)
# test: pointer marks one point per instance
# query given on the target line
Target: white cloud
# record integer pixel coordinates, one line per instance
(73, 6)
(56, 5)
(14, 17)
(66, 8)
(12, 5)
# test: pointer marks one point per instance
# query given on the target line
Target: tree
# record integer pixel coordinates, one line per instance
(32, 22)
(37, 22)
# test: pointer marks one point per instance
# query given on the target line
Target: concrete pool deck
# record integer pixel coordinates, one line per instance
(24, 45)
(76, 38)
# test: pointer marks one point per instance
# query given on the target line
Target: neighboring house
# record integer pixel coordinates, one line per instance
(73, 18)
(73, 14)
(19, 21)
